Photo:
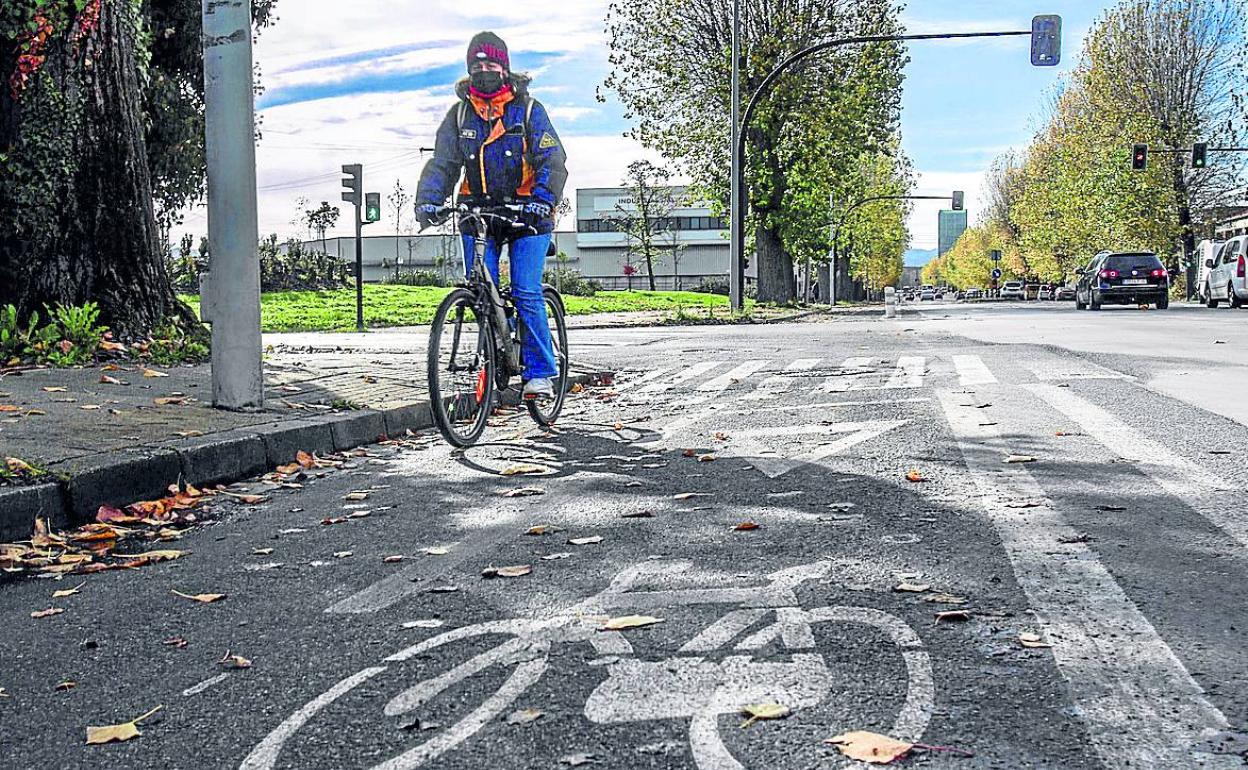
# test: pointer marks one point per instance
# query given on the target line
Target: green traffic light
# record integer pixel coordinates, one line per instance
(373, 215)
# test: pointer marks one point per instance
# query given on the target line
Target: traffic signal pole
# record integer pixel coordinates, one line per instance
(230, 293)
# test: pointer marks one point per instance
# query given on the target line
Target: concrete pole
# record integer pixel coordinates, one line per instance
(232, 293)
(736, 257)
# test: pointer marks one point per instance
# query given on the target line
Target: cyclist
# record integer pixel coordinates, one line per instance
(502, 143)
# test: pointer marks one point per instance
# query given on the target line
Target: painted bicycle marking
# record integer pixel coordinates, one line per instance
(686, 686)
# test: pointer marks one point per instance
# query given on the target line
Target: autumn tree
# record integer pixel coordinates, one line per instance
(644, 215)
(321, 220)
(672, 61)
(101, 124)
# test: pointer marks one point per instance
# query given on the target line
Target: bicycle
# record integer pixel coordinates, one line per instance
(481, 354)
(715, 673)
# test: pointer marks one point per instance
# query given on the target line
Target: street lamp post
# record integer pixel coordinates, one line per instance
(736, 268)
(1046, 52)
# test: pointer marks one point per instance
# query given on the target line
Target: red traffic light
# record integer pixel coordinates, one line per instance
(1139, 157)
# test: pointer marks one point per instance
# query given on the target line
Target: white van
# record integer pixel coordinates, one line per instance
(1205, 251)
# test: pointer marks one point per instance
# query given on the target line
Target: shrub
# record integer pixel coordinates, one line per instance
(69, 338)
(417, 278)
(299, 269)
(713, 285)
(571, 282)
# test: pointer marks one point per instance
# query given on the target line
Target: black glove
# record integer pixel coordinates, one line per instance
(427, 215)
(535, 214)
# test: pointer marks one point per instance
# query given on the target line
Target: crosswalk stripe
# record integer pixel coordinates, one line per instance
(777, 384)
(734, 375)
(651, 376)
(853, 370)
(973, 371)
(1141, 706)
(697, 370)
(909, 373)
(1065, 369)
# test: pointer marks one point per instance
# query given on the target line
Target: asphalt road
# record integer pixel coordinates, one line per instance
(1121, 548)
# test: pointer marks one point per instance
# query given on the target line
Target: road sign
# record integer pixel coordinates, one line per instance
(995, 254)
(996, 274)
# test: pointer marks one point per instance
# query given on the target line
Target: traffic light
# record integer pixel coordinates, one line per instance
(959, 200)
(1046, 41)
(372, 207)
(354, 182)
(1200, 155)
(1139, 157)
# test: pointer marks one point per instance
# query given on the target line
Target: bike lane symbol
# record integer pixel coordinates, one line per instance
(687, 686)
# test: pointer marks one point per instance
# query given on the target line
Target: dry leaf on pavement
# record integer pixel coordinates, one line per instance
(576, 760)
(1032, 641)
(629, 621)
(356, 497)
(869, 747)
(55, 389)
(201, 598)
(68, 591)
(171, 401)
(524, 716)
(912, 588)
(65, 686)
(107, 380)
(392, 559)
(49, 612)
(153, 373)
(343, 554)
(523, 492)
(17, 465)
(591, 540)
(234, 661)
(557, 556)
(915, 477)
(541, 529)
(759, 711)
(524, 469)
(690, 495)
(154, 556)
(121, 732)
(175, 642)
(945, 599)
(1018, 459)
(747, 526)
(261, 551)
(519, 570)
(305, 460)
(953, 616)
(436, 551)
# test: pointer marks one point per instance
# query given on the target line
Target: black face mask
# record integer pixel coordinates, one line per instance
(486, 82)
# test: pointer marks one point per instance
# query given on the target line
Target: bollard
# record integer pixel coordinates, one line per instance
(890, 302)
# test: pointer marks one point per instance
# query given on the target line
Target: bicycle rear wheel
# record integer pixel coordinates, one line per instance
(461, 369)
(545, 413)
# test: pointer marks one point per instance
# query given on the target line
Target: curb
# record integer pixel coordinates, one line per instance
(122, 477)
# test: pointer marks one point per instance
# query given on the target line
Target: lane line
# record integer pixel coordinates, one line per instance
(778, 384)
(1140, 704)
(204, 685)
(733, 376)
(852, 371)
(973, 371)
(909, 373)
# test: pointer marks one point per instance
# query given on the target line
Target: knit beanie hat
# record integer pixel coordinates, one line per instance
(486, 46)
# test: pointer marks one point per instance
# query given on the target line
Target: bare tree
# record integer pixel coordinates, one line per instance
(645, 214)
(398, 198)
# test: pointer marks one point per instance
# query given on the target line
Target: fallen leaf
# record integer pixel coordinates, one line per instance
(869, 747)
(575, 760)
(747, 526)
(1111, 508)
(107, 380)
(68, 591)
(557, 556)
(234, 661)
(1032, 641)
(261, 551)
(432, 623)
(541, 529)
(443, 589)
(591, 540)
(17, 465)
(153, 373)
(690, 495)
(439, 550)
(246, 499)
(629, 621)
(201, 598)
(759, 711)
(944, 599)
(171, 401)
(49, 612)
(392, 559)
(911, 588)
(155, 556)
(519, 570)
(176, 642)
(121, 732)
(915, 477)
(65, 686)
(10, 408)
(343, 554)
(55, 389)
(638, 515)
(689, 453)
(110, 515)
(305, 460)
(356, 497)
(523, 492)
(90, 407)
(953, 616)
(524, 716)
(577, 388)
(1016, 459)
(706, 458)
(524, 469)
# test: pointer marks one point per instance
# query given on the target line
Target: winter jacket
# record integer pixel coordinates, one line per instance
(499, 161)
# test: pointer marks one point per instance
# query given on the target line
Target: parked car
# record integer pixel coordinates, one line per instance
(1207, 252)
(1123, 279)
(1226, 281)
(1064, 293)
(1045, 293)
(927, 294)
(974, 293)
(1013, 290)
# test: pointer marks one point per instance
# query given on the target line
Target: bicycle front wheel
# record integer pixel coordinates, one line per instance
(461, 369)
(545, 413)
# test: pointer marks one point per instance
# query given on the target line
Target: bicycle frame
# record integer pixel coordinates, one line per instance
(481, 281)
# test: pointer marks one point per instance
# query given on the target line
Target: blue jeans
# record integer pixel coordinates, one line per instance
(528, 259)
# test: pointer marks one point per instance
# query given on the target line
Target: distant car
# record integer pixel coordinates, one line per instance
(1046, 293)
(1013, 290)
(1130, 278)
(928, 294)
(961, 295)
(974, 293)
(1064, 293)
(1226, 281)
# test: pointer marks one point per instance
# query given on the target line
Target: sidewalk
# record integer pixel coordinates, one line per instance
(111, 436)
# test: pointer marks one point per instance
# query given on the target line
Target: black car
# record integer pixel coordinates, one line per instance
(1114, 278)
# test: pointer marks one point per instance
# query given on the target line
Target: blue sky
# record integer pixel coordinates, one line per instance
(368, 82)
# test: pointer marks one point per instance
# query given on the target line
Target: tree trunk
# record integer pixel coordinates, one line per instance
(650, 269)
(79, 216)
(775, 268)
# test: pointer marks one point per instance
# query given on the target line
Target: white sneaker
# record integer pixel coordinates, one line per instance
(539, 388)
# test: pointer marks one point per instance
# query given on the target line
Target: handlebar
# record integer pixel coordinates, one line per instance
(504, 213)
